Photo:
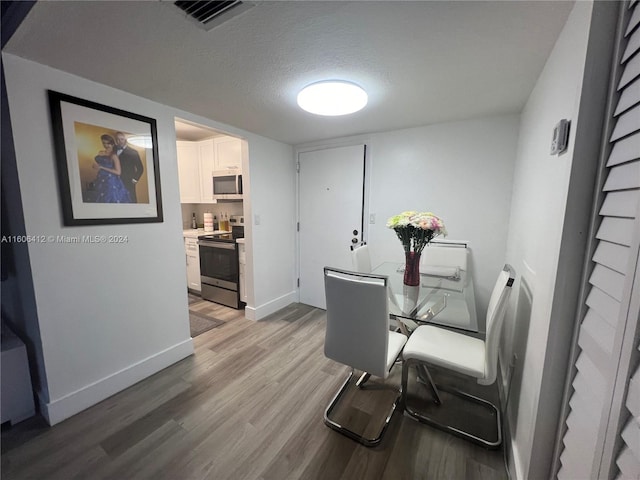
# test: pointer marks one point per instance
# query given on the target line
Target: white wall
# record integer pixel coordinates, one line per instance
(547, 238)
(110, 315)
(461, 171)
(270, 219)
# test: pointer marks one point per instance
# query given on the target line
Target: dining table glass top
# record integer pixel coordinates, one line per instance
(445, 296)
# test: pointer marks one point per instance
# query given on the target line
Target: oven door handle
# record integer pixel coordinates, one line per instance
(226, 246)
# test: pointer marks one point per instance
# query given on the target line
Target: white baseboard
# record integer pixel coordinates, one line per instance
(62, 408)
(258, 313)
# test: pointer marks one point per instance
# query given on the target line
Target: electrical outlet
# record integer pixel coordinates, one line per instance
(256, 219)
(372, 218)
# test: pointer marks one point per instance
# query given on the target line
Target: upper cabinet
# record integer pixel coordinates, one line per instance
(189, 172)
(228, 153)
(198, 160)
(207, 166)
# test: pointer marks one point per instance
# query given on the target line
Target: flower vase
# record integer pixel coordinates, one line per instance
(412, 269)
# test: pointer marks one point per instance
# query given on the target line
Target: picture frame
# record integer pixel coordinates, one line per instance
(107, 163)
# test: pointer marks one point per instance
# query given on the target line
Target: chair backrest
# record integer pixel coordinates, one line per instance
(357, 320)
(452, 255)
(498, 304)
(360, 258)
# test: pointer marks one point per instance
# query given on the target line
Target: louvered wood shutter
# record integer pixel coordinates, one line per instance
(602, 439)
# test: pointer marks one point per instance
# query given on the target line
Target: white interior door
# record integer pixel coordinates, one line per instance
(331, 187)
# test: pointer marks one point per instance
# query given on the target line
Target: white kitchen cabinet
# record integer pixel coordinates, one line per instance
(207, 166)
(193, 263)
(198, 160)
(228, 153)
(189, 172)
(241, 263)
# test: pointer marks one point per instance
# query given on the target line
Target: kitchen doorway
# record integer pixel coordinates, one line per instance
(211, 215)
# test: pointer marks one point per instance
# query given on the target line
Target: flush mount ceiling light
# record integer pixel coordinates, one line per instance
(332, 98)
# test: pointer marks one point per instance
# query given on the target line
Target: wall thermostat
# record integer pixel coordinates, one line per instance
(560, 137)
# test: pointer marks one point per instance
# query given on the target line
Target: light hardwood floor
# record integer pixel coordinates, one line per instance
(247, 405)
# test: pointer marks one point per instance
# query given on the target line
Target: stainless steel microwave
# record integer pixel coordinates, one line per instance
(227, 185)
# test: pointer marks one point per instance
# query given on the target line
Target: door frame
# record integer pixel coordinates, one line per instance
(325, 145)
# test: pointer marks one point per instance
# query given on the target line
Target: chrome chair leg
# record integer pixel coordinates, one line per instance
(425, 377)
(363, 379)
(367, 442)
(444, 427)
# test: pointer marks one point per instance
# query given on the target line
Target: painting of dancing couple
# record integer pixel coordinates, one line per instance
(107, 163)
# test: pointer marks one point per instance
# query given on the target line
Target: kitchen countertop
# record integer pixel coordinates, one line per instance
(239, 240)
(191, 233)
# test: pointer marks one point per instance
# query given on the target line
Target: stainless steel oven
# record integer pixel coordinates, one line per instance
(219, 270)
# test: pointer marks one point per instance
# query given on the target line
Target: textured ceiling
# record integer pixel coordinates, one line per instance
(421, 62)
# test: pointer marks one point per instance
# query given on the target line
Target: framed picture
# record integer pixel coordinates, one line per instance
(107, 162)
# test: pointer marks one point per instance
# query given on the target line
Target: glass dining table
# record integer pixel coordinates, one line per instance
(445, 296)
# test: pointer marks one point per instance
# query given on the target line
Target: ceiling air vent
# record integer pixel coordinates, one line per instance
(210, 14)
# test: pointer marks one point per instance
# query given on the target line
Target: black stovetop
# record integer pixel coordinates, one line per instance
(219, 237)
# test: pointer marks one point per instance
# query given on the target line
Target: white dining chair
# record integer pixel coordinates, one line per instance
(440, 257)
(474, 357)
(358, 335)
(450, 259)
(360, 258)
